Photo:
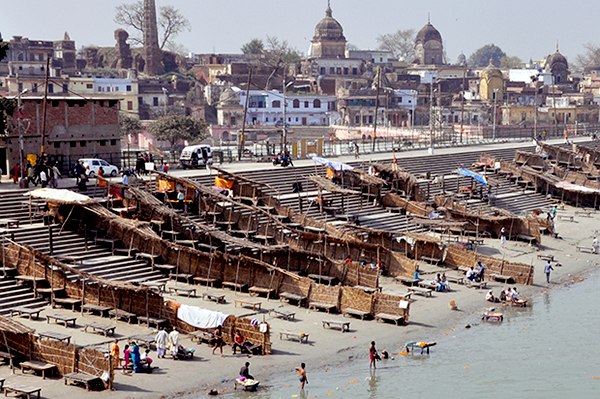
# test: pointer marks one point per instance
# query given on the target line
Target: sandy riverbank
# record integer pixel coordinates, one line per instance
(431, 319)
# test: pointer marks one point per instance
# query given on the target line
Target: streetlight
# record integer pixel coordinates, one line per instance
(166, 94)
(494, 125)
(534, 80)
(20, 130)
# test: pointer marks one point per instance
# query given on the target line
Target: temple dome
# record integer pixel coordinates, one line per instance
(329, 28)
(427, 33)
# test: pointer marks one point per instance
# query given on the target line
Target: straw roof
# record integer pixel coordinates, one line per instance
(13, 326)
(328, 185)
(60, 196)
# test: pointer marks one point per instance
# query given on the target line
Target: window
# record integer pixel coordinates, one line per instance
(317, 103)
(305, 104)
(89, 86)
(20, 87)
(34, 88)
(296, 103)
(338, 70)
(57, 144)
(83, 144)
(128, 88)
(113, 142)
(276, 104)
(50, 88)
(129, 105)
(354, 71)
(155, 101)
(322, 70)
(73, 144)
(331, 70)
(346, 70)
(102, 143)
(267, 119)
(65, 88)
(141, 100)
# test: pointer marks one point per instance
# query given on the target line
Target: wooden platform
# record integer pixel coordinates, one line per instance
(343, 326)
(106, 329)
(321, 306)
(299, 299)
(583, 248)
(22, 390)
(502, 278)
(389, 317)
(64, 302)
(60, 318)
(475, 284)
(246, 303)
(300, 337)
(261, 290)
(234, 286)
(283, 314)
(218, 298)
(55, 335)
(407, 281)
(426, 292)
(34, 366)
(190, 292)
(151, 321)
(85, 379)
(25, 311)
(122, 314)
(91, 308)
(205, 281)
(354, 312)
(182, 276)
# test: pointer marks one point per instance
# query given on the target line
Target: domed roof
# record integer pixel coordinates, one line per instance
(329, 28)
(491, 71)
(557, 57)
(427, 33)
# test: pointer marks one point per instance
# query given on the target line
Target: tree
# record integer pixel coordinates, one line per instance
(482, 57)
(7, 106)
(129, 126)
(511, 62)
(273, 51)
(254, 47)
(590, 58)
(401, 43)
(173, 128)
(170, 21)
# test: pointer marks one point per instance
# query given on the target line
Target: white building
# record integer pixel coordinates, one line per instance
(266, 108)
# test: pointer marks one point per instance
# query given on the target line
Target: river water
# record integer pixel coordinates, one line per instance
(548, 350)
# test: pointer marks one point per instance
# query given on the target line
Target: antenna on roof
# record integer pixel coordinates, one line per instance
(428, 18)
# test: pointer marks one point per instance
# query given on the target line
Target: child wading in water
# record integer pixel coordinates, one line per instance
(302, 375)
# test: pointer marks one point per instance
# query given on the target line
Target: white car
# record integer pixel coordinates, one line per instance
(92, 165)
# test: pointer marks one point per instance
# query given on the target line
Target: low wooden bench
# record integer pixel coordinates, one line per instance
(246, 303)
(8, 358)
(389, 317)
(234, 286)
(60, 318)
(22, 390)
(167, 269)
(477, 284)
(570, 218)
(106, 329)
(55, 335)
(282, 314)
(368, 290)
(151, 321)
(182, 276)
(301, 337)
(583, 248)
(354, 312)
(456, 279)
(34, 366)
(47, 292)
(584, 213)
(189, 291)
(261, 290)
(150, 258)
(501, 278)
(299, 299)
(91, 308)
(525, 237)
(64, 302)
(85, 379)
(429, 259)
(407, 281)
(157, 286)
(426, 292)
(25, 311)
(321, 306)
(205, 281)
(342, 325)
(546, 257)
(321, 279)
(218, 298)
(144, 340)
(111, 242)
(123, 315)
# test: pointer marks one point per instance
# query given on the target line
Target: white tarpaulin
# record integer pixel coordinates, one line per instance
(200, 318)
(53, 194)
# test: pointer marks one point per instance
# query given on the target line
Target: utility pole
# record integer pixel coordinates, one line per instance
(462, 103)
(534, 80)
(431, 118)
(45, 107)
(242, 138)
(20, 131)
(494, 123)
(376, 106)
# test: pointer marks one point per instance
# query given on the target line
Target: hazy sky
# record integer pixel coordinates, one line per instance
(527, 29)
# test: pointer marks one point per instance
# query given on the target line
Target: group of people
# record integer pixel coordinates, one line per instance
(43, 173)
(169, 341)
(139, 362)
(507, 295)
(441, 283)
(476, 275)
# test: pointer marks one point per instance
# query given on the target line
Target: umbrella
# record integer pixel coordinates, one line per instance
(332, 164)
(465, 172)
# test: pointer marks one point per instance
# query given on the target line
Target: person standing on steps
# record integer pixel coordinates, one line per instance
(547, 269)
(503, 237)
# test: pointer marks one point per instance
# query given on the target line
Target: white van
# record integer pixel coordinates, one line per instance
(195, 156)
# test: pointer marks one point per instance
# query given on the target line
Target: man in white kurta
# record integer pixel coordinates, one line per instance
(174, 341)
(161, 342)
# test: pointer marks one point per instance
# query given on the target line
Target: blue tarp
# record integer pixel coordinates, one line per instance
(466, 172)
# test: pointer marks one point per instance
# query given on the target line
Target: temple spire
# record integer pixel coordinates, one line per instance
(428, 17)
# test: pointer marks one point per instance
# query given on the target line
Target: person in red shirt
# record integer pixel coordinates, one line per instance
(238, 342)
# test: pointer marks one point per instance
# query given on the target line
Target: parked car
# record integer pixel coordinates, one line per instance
(92, 165)
(195, 156)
